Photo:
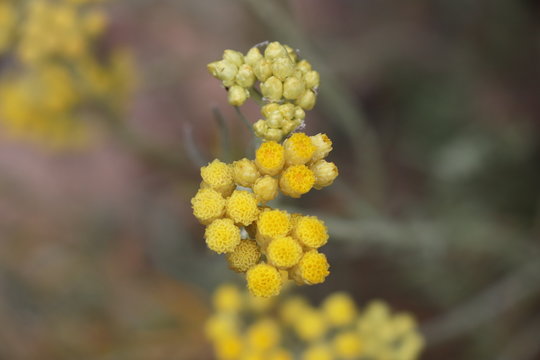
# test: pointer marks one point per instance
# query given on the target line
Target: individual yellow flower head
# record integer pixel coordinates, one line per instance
(237, 95)
(291, 309)
(296, 180)
(228, 347)
(325, 173)
(310, 325)
(318, 352)
(311, 269)
(270, 158)
(263, 335)
(222, 236)
(284, 252)
(242, 207)
(208, 205)
(339, 309)
(245, 172)
(347, 345)
(244, 256)
(272, 224)
(218, 176)
(307, 100)
(227, 298)
(323, 146)
(220, 325)
(264, 280)
(265, 188)
(272, 89)
(298, 149)
(310, 231)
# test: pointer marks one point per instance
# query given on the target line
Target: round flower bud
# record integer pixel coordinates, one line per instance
(274, 134)
(234, 57)
(245, 76)
(223, 70)
(260, 128)
(237, 95)
(298, 149)
(347, 345)
(263, 280)
(263, 335)
(282, 68)
(290, 126)
(299, 113)
(310, 232)
(323, 146)
(310, 325)
(311, 269)
(253, 56)
(291, 309)
(312, 79)
(283, 252)
(287, 111)
(273, 223)
(242, 207)
(244, 256)
(291, 53)
(275, 50)
(227, 298)
(318, 352)
(293, 88)
(268, 109)
(272, 89)
(222, 236)
(262, 69)
(208, 205)
(296, 180)
(245, 172)
(307, 100)
(275, 120)
(339, 309)
(304, 66)
(325, 173)
(265, 188)
(218, 176)
(270, 158)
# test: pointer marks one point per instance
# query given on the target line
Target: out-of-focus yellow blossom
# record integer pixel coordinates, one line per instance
(8, 20)
(347, 345)
(227, 298)
(228, 347)
(311, 269)
(264, 280)
(334, 330)
(263, 335)
(222, 236)
(318, 352)
(339, 309)
(244, 256)
(208, 205)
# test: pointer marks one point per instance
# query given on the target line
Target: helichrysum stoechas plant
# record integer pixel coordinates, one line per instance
(55, 76)
(292, 328)
(231, 201)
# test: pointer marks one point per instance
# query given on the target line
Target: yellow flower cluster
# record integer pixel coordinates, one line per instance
(57, 82)
(278, 241)
(336, 329)
(287, 84)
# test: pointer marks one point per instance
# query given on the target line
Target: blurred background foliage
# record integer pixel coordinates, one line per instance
(433, 109)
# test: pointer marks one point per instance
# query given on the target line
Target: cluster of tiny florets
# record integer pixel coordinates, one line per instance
(269, 245)
(286, 83)
(337, 329)
(233, 197)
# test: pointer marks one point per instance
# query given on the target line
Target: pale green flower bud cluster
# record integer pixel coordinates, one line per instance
(287, 84)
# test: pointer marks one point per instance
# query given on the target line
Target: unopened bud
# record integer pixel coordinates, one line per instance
(267, 109)
(265, 188)
(260, 127)
(245, 76)
(275, 120)
(303, 66)
(262, 69)
(282, 68)
(274, 134)
(293, 88)
(245, 172)
(274, 50)
(312, 79)
(234, 57)
(272, 89)
(237, 95)
(253, 56)
(323, 146)
(307, 100)
(287, 110)
(325, 173)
